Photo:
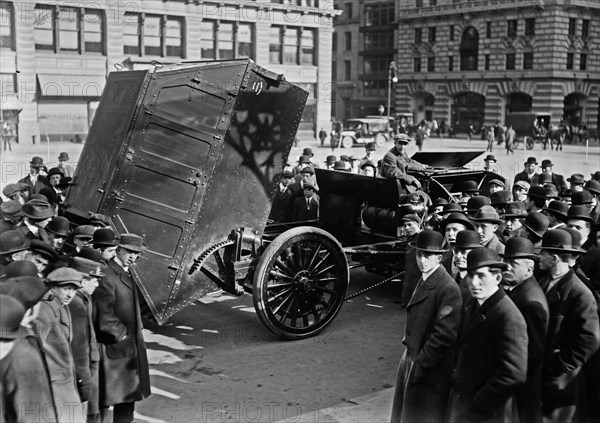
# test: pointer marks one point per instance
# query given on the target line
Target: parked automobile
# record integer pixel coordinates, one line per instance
(364, 130)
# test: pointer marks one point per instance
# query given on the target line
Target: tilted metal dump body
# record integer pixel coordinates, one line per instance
(184, 155)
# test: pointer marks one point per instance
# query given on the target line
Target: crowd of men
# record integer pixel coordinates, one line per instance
(71, 342)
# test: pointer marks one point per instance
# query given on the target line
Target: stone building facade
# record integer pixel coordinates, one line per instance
(55, 56)
(473, 62)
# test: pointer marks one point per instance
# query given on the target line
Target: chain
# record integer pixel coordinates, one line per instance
(362, 291)
(206, 253)
(373, 252)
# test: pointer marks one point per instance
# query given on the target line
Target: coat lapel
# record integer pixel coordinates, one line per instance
(123, 275)
(423, 291)
(473, 320)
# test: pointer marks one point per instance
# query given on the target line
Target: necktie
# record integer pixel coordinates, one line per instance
(308, 204)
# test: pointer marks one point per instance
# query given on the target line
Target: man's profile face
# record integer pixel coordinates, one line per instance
(410, 227)
(546, 260)
(305, 177)
(108, 253)
(460, 257)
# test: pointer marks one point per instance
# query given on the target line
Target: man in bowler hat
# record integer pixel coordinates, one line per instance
(521, 286)
(491, 352)
(573, 332)
(124, 372)
(528, 174)
(35, 180)
(433, 312)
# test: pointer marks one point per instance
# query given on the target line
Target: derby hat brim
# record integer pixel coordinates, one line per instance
(428, 249)
(488, 263)
(520, 256)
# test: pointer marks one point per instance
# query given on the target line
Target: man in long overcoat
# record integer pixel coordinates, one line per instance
(573, 332)
(433, 314)
(124, 373)
(491, 352)
(521, 286)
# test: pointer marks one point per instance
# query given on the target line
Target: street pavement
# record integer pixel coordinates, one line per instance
(215, 362)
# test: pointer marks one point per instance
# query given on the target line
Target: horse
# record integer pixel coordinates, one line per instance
(555, 136)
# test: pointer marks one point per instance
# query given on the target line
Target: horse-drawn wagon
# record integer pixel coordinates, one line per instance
(189, 156)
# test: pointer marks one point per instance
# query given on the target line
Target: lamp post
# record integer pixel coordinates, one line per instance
(391, 78)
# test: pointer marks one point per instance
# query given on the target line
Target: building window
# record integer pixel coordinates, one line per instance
(451, 32)
(275, 50)
(152, 32)
(334, 70)
(469, 49)
(132, 34)
(290, 45)
(510, 61)
(348, 40)
(307, 45)
(570, 60)
(72, 29)
(225, 40)
(488, 30)
(417, 64)
(379, 14)
(379, 40)
(334, 41)
(487, 62)
(431, 64)
(375, 88)
(43, 28)
(583, 61)
(348, 10)
(376, 64)
(418, 35)
(245, 40)
(418, 3)
(530, 27)
(585, 28)
(433, 2)
(572, 26)
(432, 34)
(511, 29)
(528, 60)
(7, 26)
(450, 63)
(347, 70)
(174, 37)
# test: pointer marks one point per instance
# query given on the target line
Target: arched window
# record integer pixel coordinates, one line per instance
(469, 47)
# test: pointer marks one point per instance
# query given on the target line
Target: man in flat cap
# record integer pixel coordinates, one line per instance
(491, 352)
(84, 345)
(25, 395)
(573, 333)
(124, 373)
(54, 329)
(520, 285)
(10, 215)
(396, 163)
(423, 380)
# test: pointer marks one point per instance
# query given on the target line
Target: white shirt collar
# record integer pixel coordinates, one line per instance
(34, 229)
(120, 263)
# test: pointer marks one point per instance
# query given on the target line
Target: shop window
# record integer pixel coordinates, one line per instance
(132, 34)
(7, 26)
(290, 46)
(245, 40)
(153, 35)
(62, 29)
(510, 61)
(275, 43)
(528, 60)
(530, 27)
(570, 60)
(379, 14)
(208, 29)
(379, 40)
(174, 37)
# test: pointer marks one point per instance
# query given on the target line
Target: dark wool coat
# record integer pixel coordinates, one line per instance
(531, 302)
(85, 350)
(53, 326)
(42, 182)
(301, 212)
(24, 230)
(431, 328)
(573, 337)
(24, 389)
(124, 373)
(491, 361)
(396, 165)
(281, 210)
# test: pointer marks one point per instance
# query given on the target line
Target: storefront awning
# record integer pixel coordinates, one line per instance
(10, 102)
(70, 86)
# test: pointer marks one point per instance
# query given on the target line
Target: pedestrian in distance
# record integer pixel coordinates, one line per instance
(490, 140)
(322, 136)
(509, 139)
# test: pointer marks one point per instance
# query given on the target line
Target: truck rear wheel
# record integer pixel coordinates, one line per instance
(347, 142)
